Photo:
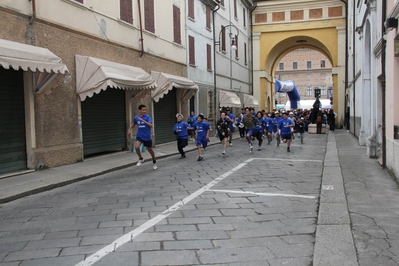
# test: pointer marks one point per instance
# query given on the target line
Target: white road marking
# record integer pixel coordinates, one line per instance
(286, 160)
(327, 187)
(132, 234)
(263, 194)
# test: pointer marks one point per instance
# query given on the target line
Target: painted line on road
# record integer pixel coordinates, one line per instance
(263, 194)
(285, 160)
(150, 223)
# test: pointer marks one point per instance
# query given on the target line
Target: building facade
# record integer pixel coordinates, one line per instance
(117, 54)
(371, 91)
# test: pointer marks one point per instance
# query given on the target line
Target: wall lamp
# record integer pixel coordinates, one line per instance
(391, 23)
(231, 35)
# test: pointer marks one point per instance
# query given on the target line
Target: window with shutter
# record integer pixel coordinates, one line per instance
(191, 50)
(244, 17)
(149, 15)
(222, 2)
(209, 57)
(79, 1)
(208, 17)
(245, 53)
(235, 9)
(236, 43)
(223, 39)
(176, 25)
(126, 10)
(191, 9)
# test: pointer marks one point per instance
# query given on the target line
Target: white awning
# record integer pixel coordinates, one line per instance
(94, 74)
(229, 99)
(47, 67)
(166, 82)
(250, 101)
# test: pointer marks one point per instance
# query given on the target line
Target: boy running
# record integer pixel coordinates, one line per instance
(284, 127)
(143, 136)
(180, 130)
(223, 129)
(203, 130)
(249, 123)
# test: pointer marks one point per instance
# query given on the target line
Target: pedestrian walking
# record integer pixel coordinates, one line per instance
(202, 130)
(181, 131)
(331, 119)
(143, 136)
(284, 128)
(347, 119)
(223, 129)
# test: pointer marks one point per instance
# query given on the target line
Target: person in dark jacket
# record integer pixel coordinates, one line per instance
(223, 128)
(331, 119)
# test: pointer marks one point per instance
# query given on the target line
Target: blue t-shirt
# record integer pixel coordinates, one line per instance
(269, 124)
(276, 120)
(284, 127)
(202, 129)
(192, 120)
(143, 131)
(182, 130)
(231, 122)
(258, 127)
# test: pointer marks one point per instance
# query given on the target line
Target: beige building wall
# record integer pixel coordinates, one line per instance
(67, 28)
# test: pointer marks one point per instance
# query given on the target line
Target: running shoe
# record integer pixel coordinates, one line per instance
(288, 150)
(224, 152)
(183, 156)
(230, 144)
(154, 166)
(140, 162)
(258, 148)
(200, 158)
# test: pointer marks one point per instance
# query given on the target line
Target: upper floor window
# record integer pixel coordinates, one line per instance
(235, 9)
(149, 15)
(236, 43)
(223, 40)
(208, 57)
(322, 63)
(222, 2)
(295, 65)
(126, 10)
(309, 64)
(244, 17)
(323, 91)
(280, 66)
(80, 1)
(208, 17)
(191, 9)
(176, 25)
(245, 53)
(191, 50)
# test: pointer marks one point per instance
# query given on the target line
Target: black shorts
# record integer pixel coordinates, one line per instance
(287, 136)
(146, 143)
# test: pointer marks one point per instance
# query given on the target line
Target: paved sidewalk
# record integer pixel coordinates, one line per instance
(22, 185)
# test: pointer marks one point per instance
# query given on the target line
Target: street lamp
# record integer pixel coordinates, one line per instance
(233, 47)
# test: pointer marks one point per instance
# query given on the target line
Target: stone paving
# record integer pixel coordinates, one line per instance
(257, 209)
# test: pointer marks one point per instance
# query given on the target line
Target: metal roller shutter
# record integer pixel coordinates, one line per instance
(165, 118)
(12, 122)
(103, 122)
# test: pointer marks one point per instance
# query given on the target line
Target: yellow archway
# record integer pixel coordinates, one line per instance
(319, 27)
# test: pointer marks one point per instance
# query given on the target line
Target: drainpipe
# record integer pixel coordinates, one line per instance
(354, 71)
(33, 11)
(214, 62)
(251, 9)
(383, 84)
(141, 29)
(346, 46)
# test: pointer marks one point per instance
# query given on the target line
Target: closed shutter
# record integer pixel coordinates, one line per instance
(208, 17)
(191, 9)
(191, 50)
(223, 38)
(12, 122)
(149, 15)
(165, 118)
(126, 10)
(208, 57)
(176, 25)
(104, 122)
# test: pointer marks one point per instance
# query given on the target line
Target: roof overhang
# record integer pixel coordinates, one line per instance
(94, 74)
(229, 99)
(166, 82)
(47, 68)
(250, 101)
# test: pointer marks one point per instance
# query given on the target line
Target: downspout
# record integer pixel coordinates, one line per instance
(251, 9)
(141, 29)
(346, 47)
(214, 63)
(354, 71)
(33, 11)
(383, 83)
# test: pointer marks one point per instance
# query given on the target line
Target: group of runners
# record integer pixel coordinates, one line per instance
(252, 126)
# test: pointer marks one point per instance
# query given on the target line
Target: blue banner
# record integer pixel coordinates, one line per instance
(290, 88)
